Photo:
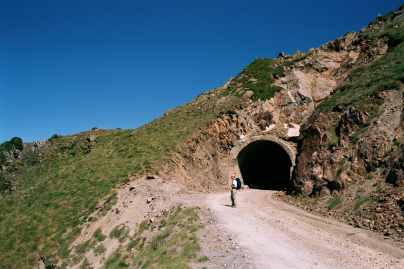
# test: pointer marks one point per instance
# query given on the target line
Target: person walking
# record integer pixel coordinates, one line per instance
(233, 190)
(233, 196)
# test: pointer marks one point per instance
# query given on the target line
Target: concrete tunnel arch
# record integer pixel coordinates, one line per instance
(265, 162)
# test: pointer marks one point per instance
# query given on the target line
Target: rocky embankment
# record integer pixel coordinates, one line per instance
(340, 107)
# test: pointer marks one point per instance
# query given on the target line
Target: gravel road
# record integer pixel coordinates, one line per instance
(277, 235)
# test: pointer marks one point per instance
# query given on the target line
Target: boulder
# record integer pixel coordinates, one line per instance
(308, 187)
(293, 130)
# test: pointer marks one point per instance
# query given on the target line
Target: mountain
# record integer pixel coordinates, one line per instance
(327, 124)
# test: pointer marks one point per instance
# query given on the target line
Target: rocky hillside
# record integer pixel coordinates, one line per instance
(49, 189)
(337, 111)
(352, 145)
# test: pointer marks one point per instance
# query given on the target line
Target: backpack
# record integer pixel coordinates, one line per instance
(238, 183)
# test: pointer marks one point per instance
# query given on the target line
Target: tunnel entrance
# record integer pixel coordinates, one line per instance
(265, 165)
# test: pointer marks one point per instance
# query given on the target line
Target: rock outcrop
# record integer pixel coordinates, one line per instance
(339, 108)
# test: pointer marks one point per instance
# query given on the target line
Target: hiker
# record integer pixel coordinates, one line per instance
(235, 185)
(233, 196)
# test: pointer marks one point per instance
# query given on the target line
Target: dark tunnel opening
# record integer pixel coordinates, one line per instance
(265, 165)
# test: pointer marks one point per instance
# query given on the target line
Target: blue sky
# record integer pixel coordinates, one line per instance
(68, 66)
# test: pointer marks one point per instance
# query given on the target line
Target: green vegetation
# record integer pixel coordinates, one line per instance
(333, 202)
(99, 249)
(173, 245)
(8, 147)
(5, 183)
(258, 77)
(57, 191)
(83, 247)
(203, 259)
(386, 73)
(360, 200)
(115, 261)
(333, 139)
(392, 29)
(7, 150)
(14, 143)
(99, 236)
(355, 137)
(364, 83)
(94, 243)
(120, 232)
(85, 265)
(55, 196)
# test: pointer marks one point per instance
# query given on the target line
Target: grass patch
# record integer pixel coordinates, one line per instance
(173, 245)
(203, 259)
(333, 139)
(83, 247)
(385, 73)
(355, 137)
(120, 232)
(258, 77)
(99, 249)
(133, 243)
(99, 236)
(334, 202)
(115, 261)
(360, 200)
(85, 265)
(54, 197)
(143, 226)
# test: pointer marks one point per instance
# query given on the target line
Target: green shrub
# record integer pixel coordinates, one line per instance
(5, 184)
(85, 264)
(30, 158)
(99, 236)
(14, 143)
(334, 202)
(83, 247)
(6, 146)
(133, 243)
(258, 77)
(54, 137)
(17, 143)
(99, 249)
(115, 261)
(203, 259)
(361, 200)
(264, 71)
(333, 139)
(120, 232)
(355, 137)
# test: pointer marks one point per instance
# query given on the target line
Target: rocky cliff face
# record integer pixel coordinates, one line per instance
(301, 83)
(339, 108)
(352, 144)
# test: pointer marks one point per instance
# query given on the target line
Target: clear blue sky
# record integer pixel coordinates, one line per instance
(67, 66)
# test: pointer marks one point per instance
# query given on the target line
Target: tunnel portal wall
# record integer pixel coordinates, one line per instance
(288, 147)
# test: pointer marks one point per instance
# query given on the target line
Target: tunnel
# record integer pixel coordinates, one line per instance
(265, 165)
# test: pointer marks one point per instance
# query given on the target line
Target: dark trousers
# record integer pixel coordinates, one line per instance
(233, 197)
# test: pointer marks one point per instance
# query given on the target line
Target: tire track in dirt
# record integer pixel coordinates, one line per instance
(277, 235)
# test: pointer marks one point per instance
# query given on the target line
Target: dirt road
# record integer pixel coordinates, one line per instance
(277, 235)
